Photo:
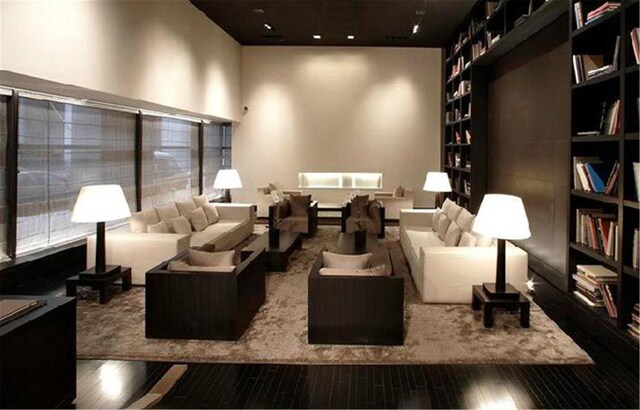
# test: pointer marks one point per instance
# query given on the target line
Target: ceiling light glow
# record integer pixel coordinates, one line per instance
(317, 36)
(351, 37)
(268, 26)
(415, 28)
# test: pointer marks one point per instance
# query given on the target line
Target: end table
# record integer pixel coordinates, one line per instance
(101, 282)
(480, 298)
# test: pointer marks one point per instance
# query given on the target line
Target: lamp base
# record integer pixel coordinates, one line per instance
(92, 273)
(509, 291)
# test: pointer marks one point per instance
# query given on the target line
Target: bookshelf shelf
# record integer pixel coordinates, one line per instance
(631, 204)
(596, 138)
(608, 199)
(631, 136)
(601, 23)
(599, 256)
(628, 270)
(598, 80)
(632, 69)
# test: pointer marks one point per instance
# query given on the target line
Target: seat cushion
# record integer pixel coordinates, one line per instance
(202, 258)
(380, 270)
(422, 237)
(339, 261)
(213, 232)
(295, 224)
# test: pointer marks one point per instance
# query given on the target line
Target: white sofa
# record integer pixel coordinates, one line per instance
(393, 204)
(143, 251)
(445, 274)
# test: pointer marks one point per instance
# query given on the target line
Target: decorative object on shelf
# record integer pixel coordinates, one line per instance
(100, 204)
(502, 217)
(274, 237)
(227, 179)
(437, 182)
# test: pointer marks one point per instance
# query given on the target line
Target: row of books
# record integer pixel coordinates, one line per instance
(609, 123)
(467, 137)
(590, 174)
(477, 49)
(634, 327)
(457, 68)
(588, 66)
(594, 285)
(493, 37)
(635, 43)
(597, 230)
(594, 14)
(491, 7)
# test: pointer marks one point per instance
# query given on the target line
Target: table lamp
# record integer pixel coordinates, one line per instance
(502, 217)
(437, 182)
(99, 204)
(227, 179)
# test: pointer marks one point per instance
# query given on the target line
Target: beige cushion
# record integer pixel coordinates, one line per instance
(151, 216)
(399, 192)
(200, 200)
(180, 225)
(212, 213)
(453, 235)
(467, 239)
(138, 222)
(481, 240)
(380, 270)
(359, 205)
(167, 212)
(160, 227)
(340, 261)
(300, 205)
(181, 266)
(465, 220)
(201, 258)
(451, 209)
(443, 225)
(436, 218)
(198, 219)
(186, 207)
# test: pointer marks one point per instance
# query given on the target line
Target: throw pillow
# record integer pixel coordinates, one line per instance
(200, 200)
(181, 225)
(340, 261)
(167, 212)
(212, 213)
(399, 192)
(436, 218)
(151, 216)
(481, 240)
(453, 210)
(375, 214)
(272, 187)
(138, 222)
(198, 219)
(465, 220)
(181, 266)
(300, 205)
(201, 258)
(443, 225)
(452, 236)
(359, 206)
(467, 240)
(160, 227)
(186, 207)
(380, 270)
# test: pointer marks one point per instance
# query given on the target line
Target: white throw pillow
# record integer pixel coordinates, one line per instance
(198, 220)
(482, 241)
(452, 210)
(467, 240)
(160, 227)
(167, 212)
(340, 261)
(181, 266)
(181, 225)
(186, 207)
(202, 258)
(465, 220)
(138, 222)
(212, 213)
(151, 216)
(380, 270)
(435, 218)
(443, 225)
(200, 200)
(453, 235)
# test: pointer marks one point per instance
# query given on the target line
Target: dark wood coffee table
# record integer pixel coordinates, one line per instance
(277, 256)
(479, 298)
(347, 244)
(101, 282)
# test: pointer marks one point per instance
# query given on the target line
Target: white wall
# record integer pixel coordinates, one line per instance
(164, 52)
(338, 109)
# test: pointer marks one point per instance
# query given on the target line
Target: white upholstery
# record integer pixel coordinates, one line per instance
(143, 251)
(445, 274)
(393, 204)
(264, 201)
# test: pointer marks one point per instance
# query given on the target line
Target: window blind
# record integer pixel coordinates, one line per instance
(212, 157)
(62, 147)
(3, 177)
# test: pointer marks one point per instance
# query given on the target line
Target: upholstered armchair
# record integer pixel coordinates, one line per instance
(265, 198)
(393, 202)
(298, 213)
(363, 214)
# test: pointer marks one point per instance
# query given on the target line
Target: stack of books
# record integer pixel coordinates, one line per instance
(588, 66)
(609, 123)
(635, 43)
(597, 230)
(593, 287)
(634, 326)
(457, 67)
(601, 11)
(590, 174)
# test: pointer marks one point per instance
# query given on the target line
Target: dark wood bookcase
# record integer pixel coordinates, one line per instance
(599, 37)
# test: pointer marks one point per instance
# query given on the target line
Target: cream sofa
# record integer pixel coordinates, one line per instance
(143, 251)
(393, 204)
(264, 198)
(445, 274)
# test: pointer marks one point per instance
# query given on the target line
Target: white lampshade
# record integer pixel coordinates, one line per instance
(227, 179)
(100, 203)
(503, 217)
(437, 182)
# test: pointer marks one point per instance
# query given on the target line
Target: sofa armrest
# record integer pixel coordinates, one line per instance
(416, 217)
(236, 211)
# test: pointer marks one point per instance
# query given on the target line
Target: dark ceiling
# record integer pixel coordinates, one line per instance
(372, 22)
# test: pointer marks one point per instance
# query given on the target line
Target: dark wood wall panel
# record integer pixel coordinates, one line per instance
(528, 139)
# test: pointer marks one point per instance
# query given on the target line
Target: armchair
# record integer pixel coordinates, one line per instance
(264, 198)
(393, 204)
(373, 221)
(281, 216)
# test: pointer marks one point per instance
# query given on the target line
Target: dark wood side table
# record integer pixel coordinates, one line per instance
(101, 282)
(277, 256)
(480, 298)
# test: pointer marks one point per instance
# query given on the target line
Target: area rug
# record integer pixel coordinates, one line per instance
(278, 334)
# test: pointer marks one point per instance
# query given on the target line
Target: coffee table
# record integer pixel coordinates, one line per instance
(101, 282)
(347, 244)
(277, 256)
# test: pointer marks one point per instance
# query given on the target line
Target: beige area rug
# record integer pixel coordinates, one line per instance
(278, 333)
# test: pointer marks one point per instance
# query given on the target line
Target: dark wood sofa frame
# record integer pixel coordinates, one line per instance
(346, 211)
(312, 220)
(204, 305)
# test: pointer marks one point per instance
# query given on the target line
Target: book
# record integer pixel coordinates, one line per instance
(616, 54)
(597, 273)
(11, 309)
(601, 11)
(635, 43)
(467, 135)
(636, 250)
(586, 300)
(577, 13)
(636, 177)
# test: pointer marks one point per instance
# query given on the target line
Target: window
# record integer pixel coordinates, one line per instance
(3, 178)
(216, 155)
(62, 147)
(170, 168)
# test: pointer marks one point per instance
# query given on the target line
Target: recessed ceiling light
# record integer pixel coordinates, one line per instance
(258, 11)
(317, 36)
(268, 26)
(415, 28)
(351, 37)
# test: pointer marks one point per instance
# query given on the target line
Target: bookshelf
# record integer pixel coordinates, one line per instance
(587, 98)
